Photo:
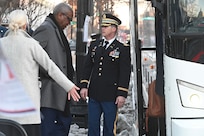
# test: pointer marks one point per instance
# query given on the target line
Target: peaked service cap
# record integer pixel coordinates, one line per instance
(109, 19)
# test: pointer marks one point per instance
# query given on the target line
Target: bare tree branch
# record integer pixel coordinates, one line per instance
(7, 6)
(35, 11)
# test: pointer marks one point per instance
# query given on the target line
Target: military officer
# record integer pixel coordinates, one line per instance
(105, 78)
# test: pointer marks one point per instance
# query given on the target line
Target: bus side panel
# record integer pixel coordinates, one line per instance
(183, 81)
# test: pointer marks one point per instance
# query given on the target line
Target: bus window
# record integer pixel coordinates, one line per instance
(186, 16)
(186, 27)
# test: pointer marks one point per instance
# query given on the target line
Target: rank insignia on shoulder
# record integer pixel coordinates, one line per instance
(93, 40)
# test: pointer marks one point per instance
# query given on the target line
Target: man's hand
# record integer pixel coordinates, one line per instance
(84, 93)
(120, 101)
(74, 94)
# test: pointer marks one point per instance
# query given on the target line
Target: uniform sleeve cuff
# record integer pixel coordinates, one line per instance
(84, 83)
(122, 92)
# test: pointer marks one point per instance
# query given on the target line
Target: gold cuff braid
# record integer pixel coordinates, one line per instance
(123, 89)
(84, 81)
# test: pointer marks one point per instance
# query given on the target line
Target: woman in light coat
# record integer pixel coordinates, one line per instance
(25, 55)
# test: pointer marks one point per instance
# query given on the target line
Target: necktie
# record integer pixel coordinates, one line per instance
(105, 45)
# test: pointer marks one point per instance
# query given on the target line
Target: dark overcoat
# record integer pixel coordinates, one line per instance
(52, 95)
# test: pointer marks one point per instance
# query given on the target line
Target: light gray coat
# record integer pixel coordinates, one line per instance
(25, 55)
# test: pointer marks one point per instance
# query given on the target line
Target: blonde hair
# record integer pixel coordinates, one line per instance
(17, 19)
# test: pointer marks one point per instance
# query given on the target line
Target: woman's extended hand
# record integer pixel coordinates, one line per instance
(74, 94)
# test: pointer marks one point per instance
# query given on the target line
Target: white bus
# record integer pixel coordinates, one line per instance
(179, 34)
(184, 68)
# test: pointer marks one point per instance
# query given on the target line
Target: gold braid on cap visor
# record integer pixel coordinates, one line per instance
(107, 22)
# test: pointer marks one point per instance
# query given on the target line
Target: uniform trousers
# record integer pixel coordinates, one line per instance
(54, 122)
(95, 110)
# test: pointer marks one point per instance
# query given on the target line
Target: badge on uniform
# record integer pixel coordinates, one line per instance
(115, 53)
(93, 52)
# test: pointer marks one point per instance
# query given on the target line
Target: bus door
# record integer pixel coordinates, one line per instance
(144, 55)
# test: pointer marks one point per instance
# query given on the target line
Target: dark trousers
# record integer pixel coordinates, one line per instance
(95, 110)
(156, 126)
(54, 122)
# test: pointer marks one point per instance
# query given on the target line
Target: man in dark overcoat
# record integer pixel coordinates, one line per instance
(55, 108)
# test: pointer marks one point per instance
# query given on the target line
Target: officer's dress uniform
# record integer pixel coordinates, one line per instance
(106, 75)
